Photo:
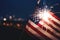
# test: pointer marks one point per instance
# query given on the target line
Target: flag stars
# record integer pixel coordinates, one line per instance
(36, 19)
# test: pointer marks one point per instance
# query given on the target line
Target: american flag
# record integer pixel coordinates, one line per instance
(44, 28)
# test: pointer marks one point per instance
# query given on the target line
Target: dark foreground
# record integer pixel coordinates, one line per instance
(7, 33)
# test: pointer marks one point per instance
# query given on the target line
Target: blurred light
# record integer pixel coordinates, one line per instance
(4, 19)
(7, 24)
(38, 1)
(44, 14)
(19, 19)
(4, 23)
(18, 25)
(10, 17)
(51, 7)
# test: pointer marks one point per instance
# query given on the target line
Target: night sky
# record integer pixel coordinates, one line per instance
(22, 8)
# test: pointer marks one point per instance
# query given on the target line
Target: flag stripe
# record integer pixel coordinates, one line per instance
(42, 31)
(44, 24)
(33, 32)
(41, 26)
(57, 35)
(52, 26)
(53, 17)
(55, 23)
(30, 34)
(51, 23)
(52, 33)
(46, 28)
(51, 13)
(37, 31)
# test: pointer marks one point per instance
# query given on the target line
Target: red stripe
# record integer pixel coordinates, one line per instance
(50, 26)
(54, 28)
(48, 29)
(54, 15)
(31, 35)
(55, 22)
(38, 32)
(41, 26)
(52, 33)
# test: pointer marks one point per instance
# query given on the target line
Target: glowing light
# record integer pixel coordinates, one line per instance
(4, 19)
(19, 19)
(43, 15)
(7, 24)
(10, 17)
(38, 1)
(4, 24)
(18, 25)
(51, 7)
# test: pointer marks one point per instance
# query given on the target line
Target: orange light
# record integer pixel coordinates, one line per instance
(7, 24)
(18, 25)
(4, 23)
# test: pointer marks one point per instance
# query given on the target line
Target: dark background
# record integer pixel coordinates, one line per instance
(19, 8)
(23, 8)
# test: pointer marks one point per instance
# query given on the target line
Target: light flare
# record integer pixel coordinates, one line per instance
(44, 15)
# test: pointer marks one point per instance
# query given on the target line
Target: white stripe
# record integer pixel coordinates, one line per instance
(48, 27)
(48, 21)
(42, 31)
(34, 32)
(57, 21)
